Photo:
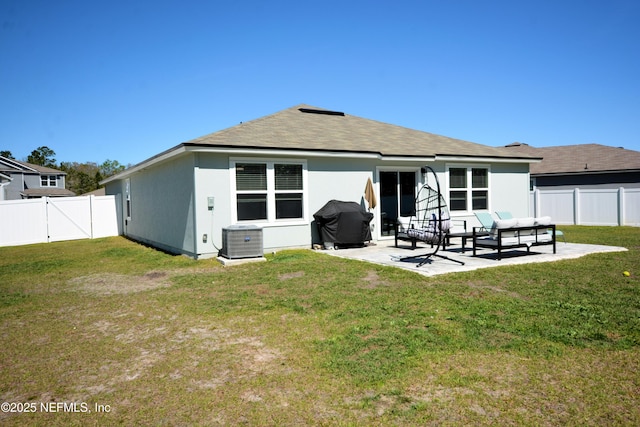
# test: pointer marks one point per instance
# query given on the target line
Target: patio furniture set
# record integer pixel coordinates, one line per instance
(500, 234)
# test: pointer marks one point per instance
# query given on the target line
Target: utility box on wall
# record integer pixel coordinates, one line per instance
(242, 241)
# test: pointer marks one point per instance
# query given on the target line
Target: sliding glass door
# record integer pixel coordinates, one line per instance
(397, 198)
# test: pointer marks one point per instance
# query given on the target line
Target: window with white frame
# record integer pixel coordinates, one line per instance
(48, 181)
(468, 188)
(269, 191)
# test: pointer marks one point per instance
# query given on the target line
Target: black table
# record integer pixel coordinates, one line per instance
(465, 235)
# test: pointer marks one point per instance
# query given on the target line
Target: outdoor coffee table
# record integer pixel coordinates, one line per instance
(464, 236)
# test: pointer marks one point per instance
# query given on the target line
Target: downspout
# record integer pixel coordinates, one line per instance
(194, 202)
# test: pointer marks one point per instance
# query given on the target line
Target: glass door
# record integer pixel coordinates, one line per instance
(397, 198)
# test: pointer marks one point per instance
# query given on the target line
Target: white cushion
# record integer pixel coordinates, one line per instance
(506, 241)
(526, 222)
(424, 234)
(506, 223)
(543, 220)
(546, 237)
(502, 224)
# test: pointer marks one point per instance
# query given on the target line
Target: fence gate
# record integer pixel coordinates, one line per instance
(69, 218)
(49, 219)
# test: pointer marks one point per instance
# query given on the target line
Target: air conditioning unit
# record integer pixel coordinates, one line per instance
(242, 241)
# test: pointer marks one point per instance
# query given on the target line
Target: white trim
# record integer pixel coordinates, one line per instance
(271, 220)
(18, 165)
(447, 186)
(145, 164)
(468, 160)
(48, 176)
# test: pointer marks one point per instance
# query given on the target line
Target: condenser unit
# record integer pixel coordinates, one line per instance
(242, 241)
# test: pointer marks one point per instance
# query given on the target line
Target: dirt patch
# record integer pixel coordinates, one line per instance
(113, 283)
(286, 276)
(117, 284)
(373, 280)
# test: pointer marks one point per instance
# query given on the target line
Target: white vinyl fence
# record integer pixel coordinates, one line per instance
(52, 219)
(578, 206)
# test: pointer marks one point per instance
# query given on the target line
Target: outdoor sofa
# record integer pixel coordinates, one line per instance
(516, 233)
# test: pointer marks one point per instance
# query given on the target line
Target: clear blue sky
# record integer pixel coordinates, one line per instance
(125, 80)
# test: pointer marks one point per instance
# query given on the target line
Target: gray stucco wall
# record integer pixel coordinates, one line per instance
(170, 200)
(328, 178)
(162, 206)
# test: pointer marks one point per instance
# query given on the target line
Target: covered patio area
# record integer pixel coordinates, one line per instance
(385, 253)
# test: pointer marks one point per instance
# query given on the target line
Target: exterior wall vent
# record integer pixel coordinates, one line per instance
(242, 241)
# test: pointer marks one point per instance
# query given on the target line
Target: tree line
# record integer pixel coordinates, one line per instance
(81, 177)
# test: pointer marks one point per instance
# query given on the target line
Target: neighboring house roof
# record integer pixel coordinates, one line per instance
(97, 192)
(311, 129)
(579, 159)
(12, 165)
(47, 192)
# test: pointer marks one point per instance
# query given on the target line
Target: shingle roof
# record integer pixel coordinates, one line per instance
(305, 127)
(48, 192)
(581, 158)
(11, 165)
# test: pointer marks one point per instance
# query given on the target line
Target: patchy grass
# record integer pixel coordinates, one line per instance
(306, 338)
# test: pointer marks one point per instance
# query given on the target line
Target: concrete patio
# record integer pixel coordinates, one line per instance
(385, 253)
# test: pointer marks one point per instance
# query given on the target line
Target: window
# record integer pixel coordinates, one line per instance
(48, 181)
(251, 185)
(269, 191)
(468, 188)
(288, 180)
(480, 189)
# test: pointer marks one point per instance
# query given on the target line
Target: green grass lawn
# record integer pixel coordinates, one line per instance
(134, 336)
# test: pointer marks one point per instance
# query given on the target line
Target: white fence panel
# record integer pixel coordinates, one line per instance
(104, 216)
(611, 206)
(631, 209)
(598, 207)
(43, 220)
(23, 222)
(558, 204)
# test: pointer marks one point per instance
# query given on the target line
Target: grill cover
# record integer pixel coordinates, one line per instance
(343, 223)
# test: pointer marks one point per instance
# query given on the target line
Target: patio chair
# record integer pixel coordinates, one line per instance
(507, 215)
(486, 220)
(430, 220)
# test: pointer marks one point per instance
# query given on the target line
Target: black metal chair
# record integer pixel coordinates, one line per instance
(431, 220)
